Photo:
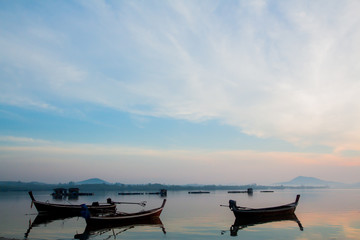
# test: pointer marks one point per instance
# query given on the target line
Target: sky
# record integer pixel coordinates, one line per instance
(179, 92)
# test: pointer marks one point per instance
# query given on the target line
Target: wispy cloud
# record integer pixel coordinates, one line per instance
(22, 140)
(287, 70)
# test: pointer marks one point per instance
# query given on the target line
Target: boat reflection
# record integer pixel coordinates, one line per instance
(241, 223)
(92, 231)
(43, 219)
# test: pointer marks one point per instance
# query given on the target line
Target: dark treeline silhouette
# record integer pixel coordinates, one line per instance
(34, 186)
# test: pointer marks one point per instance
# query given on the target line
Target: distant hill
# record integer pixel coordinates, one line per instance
(356, 185)
(309, 181)
(96, 184)
(24, 186)
(93, 181)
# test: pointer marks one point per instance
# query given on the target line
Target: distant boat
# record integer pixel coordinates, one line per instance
(162, 192)
(118, 218)
(249, 191)
(71, 193)
(70, 209)
(130, 193)
(198, 192)
(258, 213)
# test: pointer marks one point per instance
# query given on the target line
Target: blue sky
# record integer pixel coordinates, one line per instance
(210, 92)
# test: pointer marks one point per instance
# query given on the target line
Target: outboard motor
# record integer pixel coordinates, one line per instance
(232, 204)
(85, 213)
(109, 201)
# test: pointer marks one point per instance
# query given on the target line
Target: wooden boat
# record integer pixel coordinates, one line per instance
(258, 213)
(69, 209)
(120, 217)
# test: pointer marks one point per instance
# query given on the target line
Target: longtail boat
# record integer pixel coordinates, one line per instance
(70, 209)
(119, 217)
(258, 213)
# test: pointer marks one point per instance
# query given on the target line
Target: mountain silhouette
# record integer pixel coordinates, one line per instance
(308, 181)
(93, 181)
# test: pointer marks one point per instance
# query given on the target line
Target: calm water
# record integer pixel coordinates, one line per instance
(324, 214)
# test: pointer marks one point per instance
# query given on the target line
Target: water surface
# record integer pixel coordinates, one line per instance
(323, 213)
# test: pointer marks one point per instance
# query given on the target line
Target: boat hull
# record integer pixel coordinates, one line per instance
(119, 218)
(64, 209)
(258, 213)
(250, 214)
(68, 209)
